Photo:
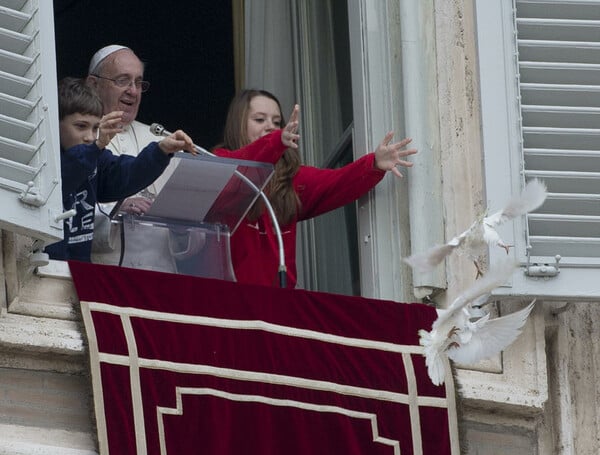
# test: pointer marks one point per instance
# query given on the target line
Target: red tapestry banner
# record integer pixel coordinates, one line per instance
(187, 365)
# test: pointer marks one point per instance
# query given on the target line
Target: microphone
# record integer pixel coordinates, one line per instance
(158, 130)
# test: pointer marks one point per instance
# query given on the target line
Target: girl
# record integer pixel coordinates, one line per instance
(295, 191)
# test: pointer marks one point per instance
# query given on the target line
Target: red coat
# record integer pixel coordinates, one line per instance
(254, 249)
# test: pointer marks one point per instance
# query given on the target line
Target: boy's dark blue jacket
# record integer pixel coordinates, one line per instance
(91, 175)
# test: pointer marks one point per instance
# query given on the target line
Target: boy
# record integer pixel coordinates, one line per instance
(90, 172)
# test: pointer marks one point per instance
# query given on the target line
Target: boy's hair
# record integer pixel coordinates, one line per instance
(76, 97)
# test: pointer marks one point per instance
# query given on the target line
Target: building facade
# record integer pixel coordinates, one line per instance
(493, 93)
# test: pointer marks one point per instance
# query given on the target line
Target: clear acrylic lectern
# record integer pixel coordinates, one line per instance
(193, 216)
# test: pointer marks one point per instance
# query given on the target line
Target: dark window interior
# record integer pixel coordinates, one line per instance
(186, 45)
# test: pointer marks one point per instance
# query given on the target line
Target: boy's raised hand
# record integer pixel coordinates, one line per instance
(290, 135)
(177, 141)
(110, 124)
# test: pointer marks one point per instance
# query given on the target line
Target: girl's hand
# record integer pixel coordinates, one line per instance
(389, 156)
(290, 135)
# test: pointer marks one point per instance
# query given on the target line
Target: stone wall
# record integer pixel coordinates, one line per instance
(45, 389)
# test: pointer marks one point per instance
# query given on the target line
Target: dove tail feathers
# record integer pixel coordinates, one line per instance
(435, 363)
(533, 196)
(436, 367)
(425, 338)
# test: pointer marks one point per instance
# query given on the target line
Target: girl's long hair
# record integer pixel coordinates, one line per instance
(280, 189)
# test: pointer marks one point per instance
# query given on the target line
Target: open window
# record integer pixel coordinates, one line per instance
(331, 240)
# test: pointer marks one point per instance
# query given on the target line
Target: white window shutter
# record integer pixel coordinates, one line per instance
(30, 192)
(540, 94)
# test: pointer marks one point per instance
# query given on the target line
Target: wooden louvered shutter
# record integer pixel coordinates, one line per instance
(559, 66)
(30, 194)
(540, 91)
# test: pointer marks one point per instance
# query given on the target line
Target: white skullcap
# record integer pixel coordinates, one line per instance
(102, 54)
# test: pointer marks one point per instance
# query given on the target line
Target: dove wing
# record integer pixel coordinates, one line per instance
(533, 195)
(491, 336)
(480, 301)
(491, 280)
(426, 261)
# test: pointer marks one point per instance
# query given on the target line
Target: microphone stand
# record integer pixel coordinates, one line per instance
(159, 130)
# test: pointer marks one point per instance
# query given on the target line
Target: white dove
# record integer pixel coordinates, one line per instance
(482, 232)
(486, 337)
(453, 334)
